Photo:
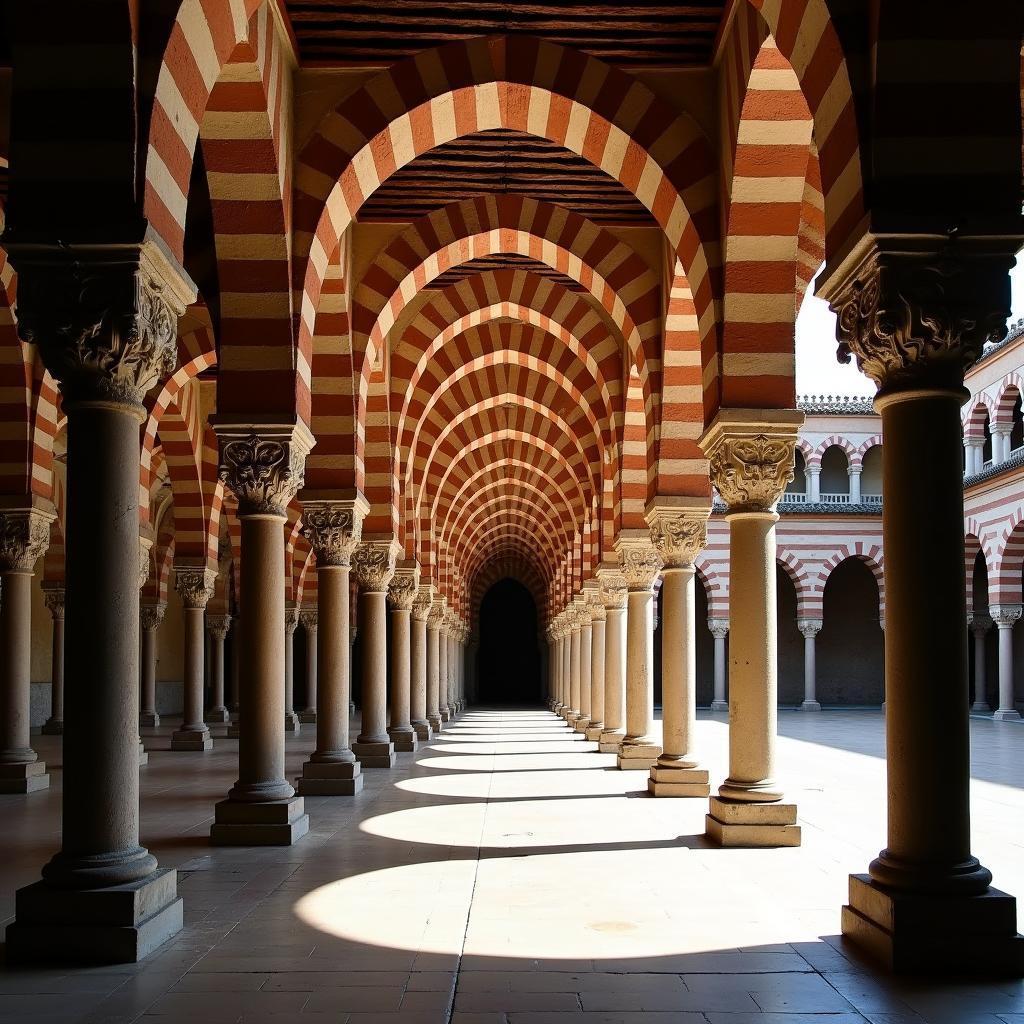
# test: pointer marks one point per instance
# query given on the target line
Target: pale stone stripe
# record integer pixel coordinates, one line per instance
(647, 186)
(757, 364)
(170, 99)
(761, 247)
(200, 41)
(237, 124)
(365, 170)
(442, 118)
(488, 107)
(812, 26)
(250, 188)
(166, 187)
(760, 308)
(760, 191)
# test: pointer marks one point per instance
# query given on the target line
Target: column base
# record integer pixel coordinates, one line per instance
(581, 723)
(1006, 715)
(53, 727)
(234, 730)
(24, 777)
(404, 739)
(981, 708)
(121, 924)
(929, 934)
(719, 705)
(810, 705)
(446, 715)
(669, 781)
(610, 742)
(143, 755)
(191, 739)
(330, 779)
(149, 720)
(637, 756)
(307, 717)
(593, 733)
(272, 823)
(291, 722)
(434, 721)
(217, 716)
(375, 754)
(424, 732)
(736, 823)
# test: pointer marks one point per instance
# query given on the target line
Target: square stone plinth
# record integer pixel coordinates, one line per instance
(375, 755)
(435, 722)
(217, 716)
(234, 731)
(928, 934)
(593, 733)
(332, 779)
(424, 732)
(405, 742)
(273, 823)
(580, 725)
(149, 720)
(735, 823)
(683, 782)
(307, 717)
(120, 924)
(637, 756)
(610, 742)
(25, 777)
(190, 739)
(143, 755)
(292, 723)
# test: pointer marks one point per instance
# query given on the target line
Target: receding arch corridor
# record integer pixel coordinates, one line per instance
(504, 873)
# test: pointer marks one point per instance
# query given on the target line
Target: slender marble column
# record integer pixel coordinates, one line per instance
(195, 587)
(263, 466)
(809, 629)
(309, 621)
(151, 615)
(373, 565)
(640, 567)
(751, 459)
(574, 665)
(615, 595)
(401, 595)
(448, 664)
(418, 665)
(586, 640)
(291, 623)
(217, 626)
(1005, 617)
(442, 669)
(24, 537)
(333, 527)
(552, 691)
(597, 646)
(53, 595)
(980, 625)
(236, 657)
(566, 664)
(719, 629)
(678, 532)
(434, 619)
(561, 683)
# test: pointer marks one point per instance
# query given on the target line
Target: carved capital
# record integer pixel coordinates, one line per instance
(24, 538)
(979, 623)
(421, 606)
(678, 530)
(218, 625)
(809, 628)
(751, 456)
(291, 619)
(1004, 614)
(404, 585)
(595, 602)
(916, 311)
(437, 614)
(263, 465)
(719, 628)
(151, 615)
(334, 527)
(641, 563)
(194, 585)
(373, 565)
(53, 598)
(614, 592)
(145, 547)
(105, 319)
(310, 621)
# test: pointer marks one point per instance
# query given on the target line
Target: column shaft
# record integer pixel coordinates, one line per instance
(639, 747)
(373, 746)
(614, 680)
(148, 716)
(418, 670)
(401, 730)
(193, 734)
(433, 675)
(980, 673)
(20, 769)
(597, 674)
(586, 672)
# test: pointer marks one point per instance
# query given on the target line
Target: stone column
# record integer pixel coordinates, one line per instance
(291, 623)
(24, 537)
(586, 670)
(572, 619)
(373, 565)
(53, 595)
(418, 665)
(195, 587)
(614, 594)
(309, 622)
(447, 662)
(236, 657)
(549, 635)
(1001, 443)
(915, 312)
(1005, 617)
(435, 616)
(679, 533)
(751, 456)
(598, 616)
(813, 475)
(353, 634)
(855, 472)
(263, 465)
(809, 629)
(442, 669)
(640, 567)
(151, 615)
(974, 456)
(333, 528)
(401, 595)
(566, 619)
(719, 629)
(104, 320)
(980, 625)
(217, 626)
(556, 670)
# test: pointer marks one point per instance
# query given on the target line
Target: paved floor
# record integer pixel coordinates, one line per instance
(510, 875)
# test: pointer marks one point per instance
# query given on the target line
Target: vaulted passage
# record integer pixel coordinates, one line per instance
(508, 661)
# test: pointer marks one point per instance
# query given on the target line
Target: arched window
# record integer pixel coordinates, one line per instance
(796, 489)
(871, 476)
(835, 477)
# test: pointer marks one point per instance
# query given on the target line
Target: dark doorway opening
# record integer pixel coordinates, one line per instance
(508, 662)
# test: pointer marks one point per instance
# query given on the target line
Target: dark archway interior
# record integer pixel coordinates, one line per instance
(851, 646)
(508, 662)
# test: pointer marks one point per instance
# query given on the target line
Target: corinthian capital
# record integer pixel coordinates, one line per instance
(263, 464)
(151, 615)
(424, 600)
(105, 319)
(218, 625)
(678, 529)
(373, 565)
(404, 585)
(437, 613)
(334, 527)
(614, 592)
(751, 455)
(24, 537)
(53, 598)
(194, 585)
(595, 603)
(309, 619)
(641, 563)
(917, 311)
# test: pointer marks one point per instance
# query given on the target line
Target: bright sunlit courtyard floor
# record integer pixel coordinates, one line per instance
(509, 874)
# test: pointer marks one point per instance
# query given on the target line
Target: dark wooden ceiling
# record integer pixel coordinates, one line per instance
(498, 163)
(504, 261)
(637, 35)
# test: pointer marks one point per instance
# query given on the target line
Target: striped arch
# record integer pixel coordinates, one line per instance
(808, 596)
(1011, 388)
(716, 587)
(974, 417)
(972, 548)
(514, 83)
(501, 567)
(161, 555)
(865, 446)
(1004, 581)
(836, 441)
(807, 450)
(870, 555)
(637, 468)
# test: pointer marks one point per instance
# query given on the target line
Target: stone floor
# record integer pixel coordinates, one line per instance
(510, 875)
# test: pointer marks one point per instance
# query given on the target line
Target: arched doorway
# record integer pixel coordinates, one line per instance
(791, 643)
(508, 662)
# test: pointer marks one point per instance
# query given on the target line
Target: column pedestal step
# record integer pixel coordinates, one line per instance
(191, 739)
(610, 742)
(375, 755)
(929, 934)
(593, 733)
(331, 779)
(667, 781)
(274, 823)
(143, 755)
(217, 716)
(435, 722)
(118, 925)
(424, 731)
(405, 742)
(637, 756)
(292, 723)
(735, 823)
(149, 721)
(24, 777)
(580, 725)
(308, 717)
